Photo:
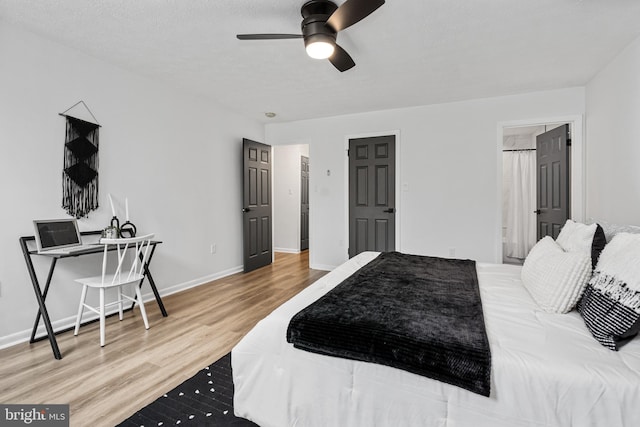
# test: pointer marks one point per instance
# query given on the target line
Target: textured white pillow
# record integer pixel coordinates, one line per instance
(576, 237)
(555, 279)
(611, 230)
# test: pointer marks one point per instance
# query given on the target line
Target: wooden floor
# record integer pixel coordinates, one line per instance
(104, 386)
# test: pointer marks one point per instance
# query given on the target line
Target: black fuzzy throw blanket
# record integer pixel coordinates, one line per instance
(417, 313)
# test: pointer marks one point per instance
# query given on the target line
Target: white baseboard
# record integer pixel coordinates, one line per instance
(287, 250)
(58, 325)
(322, 267)
(196, 282)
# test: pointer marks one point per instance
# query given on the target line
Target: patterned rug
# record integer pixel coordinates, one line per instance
(206, 399)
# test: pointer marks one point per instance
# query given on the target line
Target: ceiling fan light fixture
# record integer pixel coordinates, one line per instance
(320, 50)
(320, 46)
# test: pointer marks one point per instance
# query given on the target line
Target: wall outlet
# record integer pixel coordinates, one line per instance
(452, 252)
(214, 248)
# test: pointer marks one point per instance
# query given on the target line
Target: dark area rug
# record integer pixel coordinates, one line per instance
(206, 399)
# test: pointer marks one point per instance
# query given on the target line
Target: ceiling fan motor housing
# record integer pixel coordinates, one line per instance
(314, 28)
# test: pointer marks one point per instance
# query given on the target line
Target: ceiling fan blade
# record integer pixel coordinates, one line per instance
(352, 11)
(341, 59)
(268, 36)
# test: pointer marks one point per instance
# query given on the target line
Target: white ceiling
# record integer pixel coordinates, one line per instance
(408, 52)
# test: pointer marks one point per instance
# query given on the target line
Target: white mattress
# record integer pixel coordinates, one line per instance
(547, 370)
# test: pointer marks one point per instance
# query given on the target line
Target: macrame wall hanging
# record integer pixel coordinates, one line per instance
(80, 173)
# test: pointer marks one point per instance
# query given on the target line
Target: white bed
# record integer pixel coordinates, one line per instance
(547, 370)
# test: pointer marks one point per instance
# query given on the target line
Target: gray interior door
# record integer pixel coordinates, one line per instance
(553, 190)
(304, 203)
(372, 185)
(256, 205)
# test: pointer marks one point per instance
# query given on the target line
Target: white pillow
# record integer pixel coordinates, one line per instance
(555, 279)
(611, 230)
(576, 237)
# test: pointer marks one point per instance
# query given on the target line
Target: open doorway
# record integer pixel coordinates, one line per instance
(518, 192)
(535, 189)
(291, 207)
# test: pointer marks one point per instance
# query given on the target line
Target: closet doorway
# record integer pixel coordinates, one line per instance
(536, 190)
(291, 198)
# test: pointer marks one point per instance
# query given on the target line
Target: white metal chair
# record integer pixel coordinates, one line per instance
(129, 256)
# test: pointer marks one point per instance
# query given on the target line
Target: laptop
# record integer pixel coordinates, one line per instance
(59, 236)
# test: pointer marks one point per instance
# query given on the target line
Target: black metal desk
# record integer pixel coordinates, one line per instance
(41, 295)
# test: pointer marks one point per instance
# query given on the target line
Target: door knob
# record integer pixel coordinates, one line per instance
(537, 212)
(246, 210)
(390, 210)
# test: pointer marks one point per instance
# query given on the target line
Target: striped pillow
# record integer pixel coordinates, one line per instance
(610, 305)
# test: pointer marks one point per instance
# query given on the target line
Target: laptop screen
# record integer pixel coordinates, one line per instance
(54, 234)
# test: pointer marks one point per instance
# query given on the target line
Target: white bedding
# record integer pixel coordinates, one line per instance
(547, 370)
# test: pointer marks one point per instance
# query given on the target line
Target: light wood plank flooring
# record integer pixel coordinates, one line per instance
(106, 385)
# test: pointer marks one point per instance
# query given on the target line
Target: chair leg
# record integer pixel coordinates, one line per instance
(102, 320)
(120, 302)
(83, 297)
(141, 305)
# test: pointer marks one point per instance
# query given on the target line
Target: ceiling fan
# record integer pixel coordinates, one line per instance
(322, 20)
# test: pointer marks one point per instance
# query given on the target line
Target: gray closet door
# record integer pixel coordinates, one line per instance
(372, 217)
(304, 203)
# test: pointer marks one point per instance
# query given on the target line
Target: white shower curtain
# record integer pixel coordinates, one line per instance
(519, 202)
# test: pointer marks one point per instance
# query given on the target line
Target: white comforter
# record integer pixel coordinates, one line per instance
(547, 370)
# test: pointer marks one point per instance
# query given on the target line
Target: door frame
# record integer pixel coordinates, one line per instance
(577, 175)
(398, 207)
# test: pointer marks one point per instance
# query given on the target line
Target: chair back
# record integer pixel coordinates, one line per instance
(131, 254)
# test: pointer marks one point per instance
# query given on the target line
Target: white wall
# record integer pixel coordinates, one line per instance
(613, 140)
(448, 164)
(177, 158)
(286, 196)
